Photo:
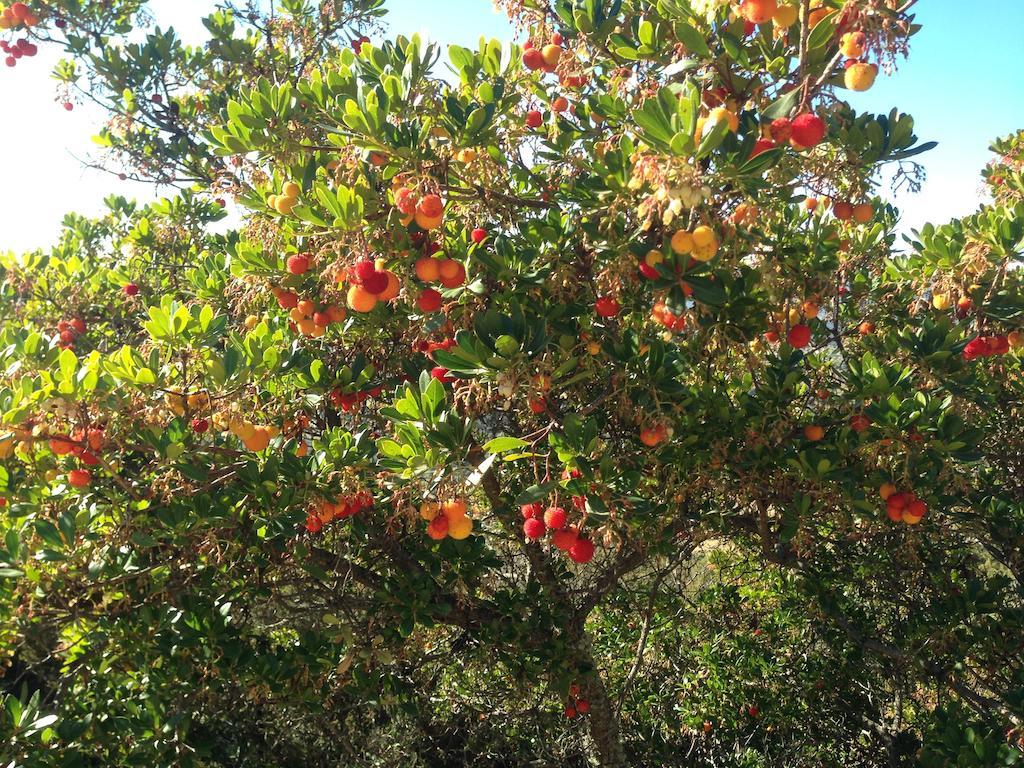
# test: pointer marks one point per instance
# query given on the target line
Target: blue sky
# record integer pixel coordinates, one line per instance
(962, 84)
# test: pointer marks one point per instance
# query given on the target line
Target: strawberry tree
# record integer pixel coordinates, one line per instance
(497, 349)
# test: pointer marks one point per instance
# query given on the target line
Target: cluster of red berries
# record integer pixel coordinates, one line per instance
(357, 44)
(83, 444)
(986, 346)
(23, 47)
(902, 506)
(325, 512)
(349, 402)
(365, 273)
(804, 131)
(575, 705)
(538, 521)
(544, 59)
(70, 330)
(305, 316)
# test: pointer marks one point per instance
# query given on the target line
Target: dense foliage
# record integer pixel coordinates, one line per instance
(575, 404)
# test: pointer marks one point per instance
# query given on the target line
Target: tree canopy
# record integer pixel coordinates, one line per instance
(571, 401)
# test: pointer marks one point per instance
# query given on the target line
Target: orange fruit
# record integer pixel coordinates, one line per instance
(360, 299)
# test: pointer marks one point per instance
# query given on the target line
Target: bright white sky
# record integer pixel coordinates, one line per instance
(43, 144)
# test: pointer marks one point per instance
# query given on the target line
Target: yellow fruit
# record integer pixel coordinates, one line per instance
(460, 528)
(811, 309)
(258, 440)
(654, 257)
(244, 430)
(306, 326)
(291, 189)
(794, 316)
(426, 222)
(6, 447)
(853, 44)
(860, 77)
(703, 235)
(682, 242)
(318, 331)
(785, 15)
(176, 403)
(251, 322)
(885, 490)
(360, 299)
(301, 450)
(593, 348)
(271, 201)
(1015, 339)
(428, 269)
(466, 155)
(297, 315)
(721, 114)
(428, 510)
(941, 301)
(813, 432)
(284, 205)
(705, 252)
(701, 123)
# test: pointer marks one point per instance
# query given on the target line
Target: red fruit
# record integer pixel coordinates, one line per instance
(287, 300)
(898, 501)
(607, 306)
(200, 425)
(438, 527)
(376, 283)
(555, 518)
(10, 61)
(582, 551)
(533, 59)
(89, 459)
(753, 711)
(314, 524)
(78, 325)
(68, 106)
(808, 129)
(781, 129)
(917, 508)
(131, 289)
(536, 509)
(556, 38)
(582, 706)
(21, 11)
(533, 528)
(478, 235)
(537, 404)
(565, 538)
(405, 201)
(362, 271)
(298, 264)
(570, 711)
(859, 422)
(842, 211)
(441, 374)
(762, 145)
(799, 336)
(321, 319)
(431, 206)
(534, 119)
(651, 273)
(429, 301)
(79, 478)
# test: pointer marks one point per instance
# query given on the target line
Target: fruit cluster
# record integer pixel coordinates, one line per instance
(861, 213)
(986, 346)
(701, 244)
(325, 512)
(575, 705)
(902, 506)
(860, 75)
(446, 519)
(370, 283)
(287, 200)
(538, 521)
(70, 330)
(426, 211)
(306, 317)
(254, 437)
(18, 15)
(83, 444)
(349, 402)
(23, 47)
(663, 315)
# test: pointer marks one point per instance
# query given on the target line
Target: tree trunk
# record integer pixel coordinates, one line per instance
(603, 720)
